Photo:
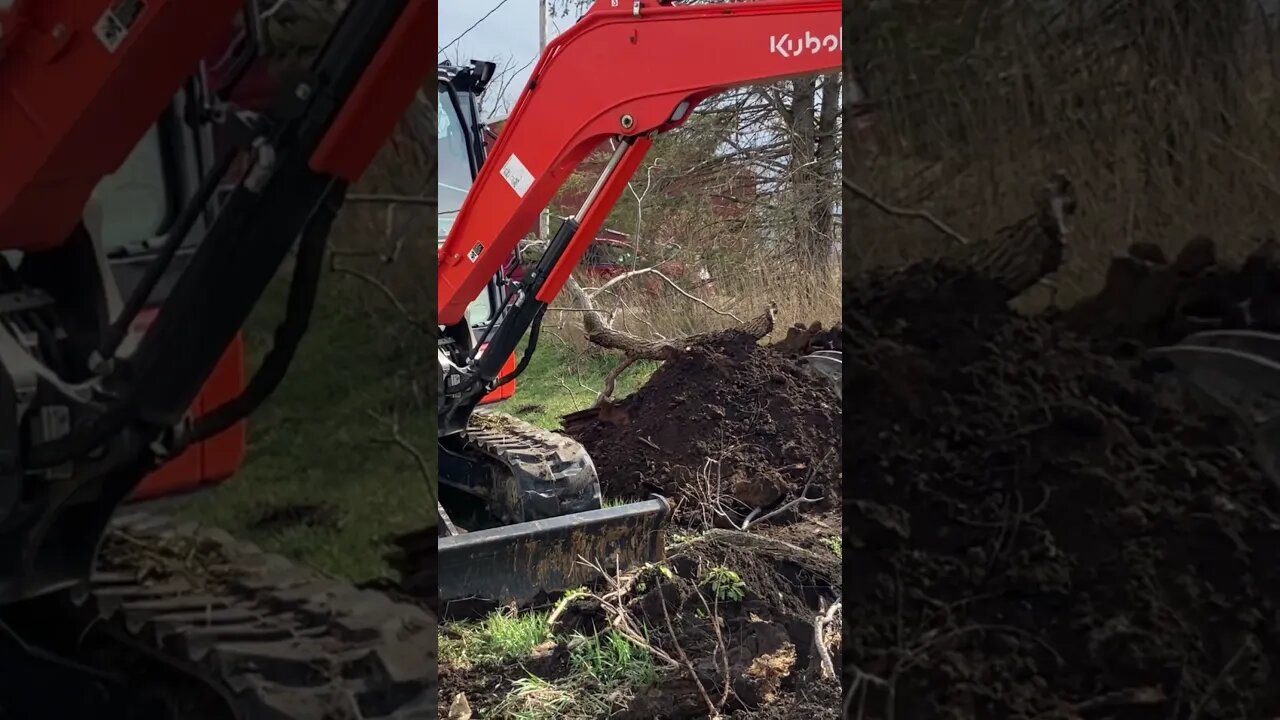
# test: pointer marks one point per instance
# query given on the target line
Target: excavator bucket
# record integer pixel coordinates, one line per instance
(1238, 370)
(826, 364)
(529, 561)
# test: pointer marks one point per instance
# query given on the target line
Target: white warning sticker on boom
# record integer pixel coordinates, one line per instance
(517, 175)
(115, 23)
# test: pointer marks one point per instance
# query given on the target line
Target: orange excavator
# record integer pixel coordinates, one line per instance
(143, 213)
(619, 78)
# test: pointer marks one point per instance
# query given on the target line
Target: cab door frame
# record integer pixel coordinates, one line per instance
(186, 152)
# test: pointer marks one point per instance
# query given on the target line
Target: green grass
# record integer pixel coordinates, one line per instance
(315, 441)
(499, 638)
(837, 546)
(611, 659)
(602, 669)
(561, 380)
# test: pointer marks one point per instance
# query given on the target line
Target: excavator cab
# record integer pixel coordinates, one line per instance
(129, 213)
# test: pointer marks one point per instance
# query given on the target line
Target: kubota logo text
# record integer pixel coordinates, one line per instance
(789, 47)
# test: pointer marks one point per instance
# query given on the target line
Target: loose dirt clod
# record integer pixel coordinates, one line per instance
(1039, 529)
(734, 428)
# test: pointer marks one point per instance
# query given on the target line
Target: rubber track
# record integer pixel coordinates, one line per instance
(554, 473)
(283, 641)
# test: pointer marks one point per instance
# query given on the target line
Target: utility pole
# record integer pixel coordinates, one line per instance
(542, 25)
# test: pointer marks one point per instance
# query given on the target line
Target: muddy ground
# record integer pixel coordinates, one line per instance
(1041, 525)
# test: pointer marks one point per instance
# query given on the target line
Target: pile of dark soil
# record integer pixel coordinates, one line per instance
(1041, 530)
(736, 426)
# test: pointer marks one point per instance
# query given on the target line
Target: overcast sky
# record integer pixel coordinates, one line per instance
(508, 37)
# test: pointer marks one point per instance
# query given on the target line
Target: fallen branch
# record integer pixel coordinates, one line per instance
(802, 498)
(609, 380)
(601, 333)
(879, 204)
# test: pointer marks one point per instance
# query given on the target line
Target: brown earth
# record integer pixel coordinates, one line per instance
(722, 431)
(1040, 529)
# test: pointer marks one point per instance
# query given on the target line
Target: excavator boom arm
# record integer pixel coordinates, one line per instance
(619, 73)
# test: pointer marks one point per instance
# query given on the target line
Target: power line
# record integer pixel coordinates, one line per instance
(473, 26)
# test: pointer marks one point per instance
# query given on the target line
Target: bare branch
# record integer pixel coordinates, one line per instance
(424, 468)
(942, 227)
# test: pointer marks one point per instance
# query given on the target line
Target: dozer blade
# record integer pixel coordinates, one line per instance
(528, 561)
(1240, 371)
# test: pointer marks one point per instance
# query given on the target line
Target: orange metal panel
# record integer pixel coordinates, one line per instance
(503, 392)
(217, 458)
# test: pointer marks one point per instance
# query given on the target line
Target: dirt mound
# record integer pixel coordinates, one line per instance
(1042, 530)
(735, 427)
(803, 339)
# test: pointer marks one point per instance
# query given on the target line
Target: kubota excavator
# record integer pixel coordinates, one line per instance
(97, 93)
(621, 76)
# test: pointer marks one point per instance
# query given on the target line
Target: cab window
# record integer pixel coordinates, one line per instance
(455, 179)
(132, 205)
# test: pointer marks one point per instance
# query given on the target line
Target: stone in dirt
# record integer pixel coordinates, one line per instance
(736, 422)
(1042, 529)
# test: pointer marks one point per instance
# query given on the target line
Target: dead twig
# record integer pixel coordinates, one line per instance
(424, 467)
(859, 689)
(334, 266)
(820, 624)
(879, 204)
(655, 271)
(613, 602)
(1222, 676)
(802, 498)
(713, 611)
(712, 711)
